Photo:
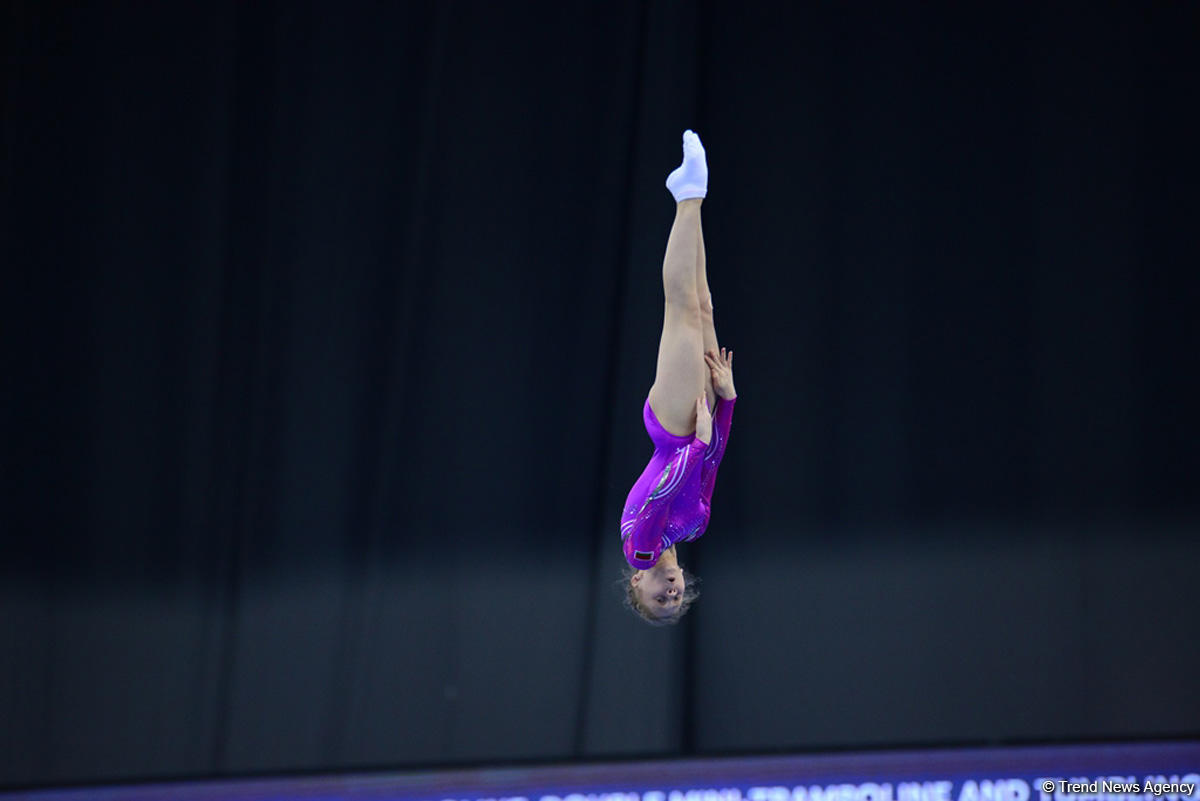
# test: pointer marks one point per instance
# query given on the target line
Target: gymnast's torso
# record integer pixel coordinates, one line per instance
(670, 501)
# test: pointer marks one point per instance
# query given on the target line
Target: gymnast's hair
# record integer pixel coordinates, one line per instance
(629, 595)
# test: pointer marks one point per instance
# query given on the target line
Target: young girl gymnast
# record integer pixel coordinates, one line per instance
(669, 503)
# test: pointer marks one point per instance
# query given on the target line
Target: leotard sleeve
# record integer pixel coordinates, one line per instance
(644, 532)
(722, 421)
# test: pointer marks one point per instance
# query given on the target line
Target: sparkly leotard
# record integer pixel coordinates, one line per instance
(669, 503)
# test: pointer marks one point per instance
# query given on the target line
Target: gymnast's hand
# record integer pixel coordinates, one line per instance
(721, 365)
(703, 420)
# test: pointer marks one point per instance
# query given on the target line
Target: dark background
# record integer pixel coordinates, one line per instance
(326, 330)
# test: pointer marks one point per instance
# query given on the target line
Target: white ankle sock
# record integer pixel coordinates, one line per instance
(690, 179)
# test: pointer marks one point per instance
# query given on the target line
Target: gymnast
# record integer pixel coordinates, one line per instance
(669, 503)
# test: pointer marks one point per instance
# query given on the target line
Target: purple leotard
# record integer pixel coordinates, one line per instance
(669, 503)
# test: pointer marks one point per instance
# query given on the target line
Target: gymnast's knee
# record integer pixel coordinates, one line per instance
(685, 306)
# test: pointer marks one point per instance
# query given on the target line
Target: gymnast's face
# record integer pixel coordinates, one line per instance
(660, 588)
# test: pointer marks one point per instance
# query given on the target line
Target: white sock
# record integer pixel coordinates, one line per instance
(690, 179)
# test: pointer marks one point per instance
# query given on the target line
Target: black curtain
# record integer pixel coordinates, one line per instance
(326, 329)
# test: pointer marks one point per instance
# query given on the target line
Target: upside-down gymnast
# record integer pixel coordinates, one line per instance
(669, 503)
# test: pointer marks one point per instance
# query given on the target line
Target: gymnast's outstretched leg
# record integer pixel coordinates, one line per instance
(682, 374)
(708, 328)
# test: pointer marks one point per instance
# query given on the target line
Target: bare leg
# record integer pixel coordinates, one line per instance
(682, 374)
(707, 327)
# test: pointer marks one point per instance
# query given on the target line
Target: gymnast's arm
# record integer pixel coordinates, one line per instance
(721, 366)
(722, 422)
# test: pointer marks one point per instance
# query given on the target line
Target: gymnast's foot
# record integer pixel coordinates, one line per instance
(690, 179)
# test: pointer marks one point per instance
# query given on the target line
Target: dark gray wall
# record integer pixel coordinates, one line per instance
(326, 331)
